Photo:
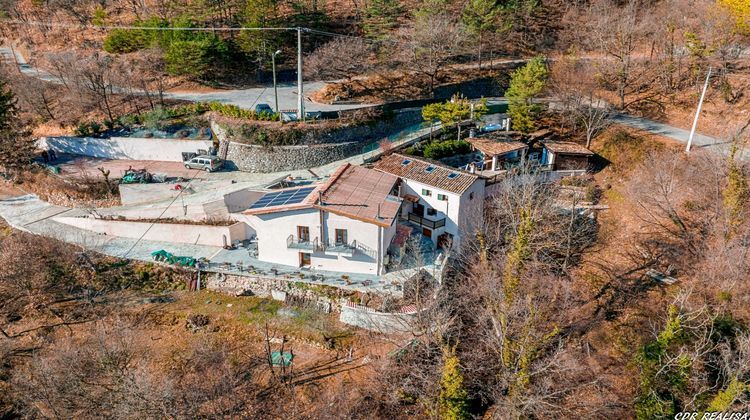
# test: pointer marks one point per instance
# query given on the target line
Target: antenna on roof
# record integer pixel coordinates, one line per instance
(320, 197)
(379, 211)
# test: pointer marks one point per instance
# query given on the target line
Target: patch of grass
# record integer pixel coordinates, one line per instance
(613, 196)
(253, 313)
(625, 149)
(257, 310)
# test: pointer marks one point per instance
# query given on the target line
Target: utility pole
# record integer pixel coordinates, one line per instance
(275, 91)
(300, 98)
(698, 111)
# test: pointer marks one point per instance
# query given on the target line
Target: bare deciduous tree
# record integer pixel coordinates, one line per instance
(430, 44)
(344, 57)
(575, 88)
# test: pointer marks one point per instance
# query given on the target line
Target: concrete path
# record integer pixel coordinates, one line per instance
(10, 55)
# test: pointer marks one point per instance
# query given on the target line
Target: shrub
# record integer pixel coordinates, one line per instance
(121, 41)
(130, 120)
(88, 129)
(100, 16)
(233, 111)
(154, 120)
(441, 149)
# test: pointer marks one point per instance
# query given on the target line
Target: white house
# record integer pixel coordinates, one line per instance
(445, 202)
(345, 224)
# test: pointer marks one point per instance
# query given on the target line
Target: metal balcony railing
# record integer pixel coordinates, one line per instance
(306, 244)
(432, 224)
(349, 249)
(346, 249)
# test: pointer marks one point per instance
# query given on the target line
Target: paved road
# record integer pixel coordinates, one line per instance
(244, 98)
(661, 129)
(247, 98)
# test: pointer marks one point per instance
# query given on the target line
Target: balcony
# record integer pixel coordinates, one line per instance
(349, 250)
(346, 250)
(305, 244)
(421, 221)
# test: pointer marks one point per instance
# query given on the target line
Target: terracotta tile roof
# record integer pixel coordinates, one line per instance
(566, 147)
(496, 147)
(362, 194)
(440, 176)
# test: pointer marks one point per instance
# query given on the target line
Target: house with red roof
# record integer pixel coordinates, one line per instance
(345, 224)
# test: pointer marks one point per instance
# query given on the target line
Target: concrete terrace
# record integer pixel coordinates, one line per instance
(30, 214)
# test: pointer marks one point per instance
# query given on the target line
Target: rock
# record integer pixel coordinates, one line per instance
(196, 321)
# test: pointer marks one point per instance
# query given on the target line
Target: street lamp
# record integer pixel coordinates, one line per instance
(275, 91)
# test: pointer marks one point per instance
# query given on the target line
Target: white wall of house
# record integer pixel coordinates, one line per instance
(274, 229)
(471, 209)
(457, 209)
(445, 209)
(366, 235)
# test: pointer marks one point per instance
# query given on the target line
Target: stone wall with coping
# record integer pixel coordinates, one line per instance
(316, 148)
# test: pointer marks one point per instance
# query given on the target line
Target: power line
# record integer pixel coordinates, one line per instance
(162, 214)
(187, 29)
(144, 28)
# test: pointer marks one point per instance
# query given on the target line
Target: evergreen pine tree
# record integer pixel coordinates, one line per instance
(453, 400)
(525, 84)
(381, 17)
(17, 148)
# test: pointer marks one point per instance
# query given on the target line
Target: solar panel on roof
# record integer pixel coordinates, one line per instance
(406, 162)
(452, 175)
(281, 198)
(429, 169)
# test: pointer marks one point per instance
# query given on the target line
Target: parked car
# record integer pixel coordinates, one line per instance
(261, 108)
(205, 162)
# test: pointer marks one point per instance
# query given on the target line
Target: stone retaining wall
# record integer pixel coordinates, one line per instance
(316, 148)
(278, 289)
(251, 158)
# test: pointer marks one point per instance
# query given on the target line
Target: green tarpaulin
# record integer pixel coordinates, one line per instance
(277, 358)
